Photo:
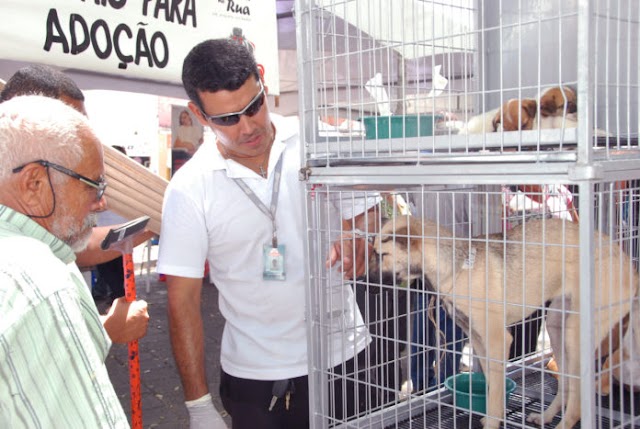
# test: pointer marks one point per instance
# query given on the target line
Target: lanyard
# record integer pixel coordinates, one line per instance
(271, 213)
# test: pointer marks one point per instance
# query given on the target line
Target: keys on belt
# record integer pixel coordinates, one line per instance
(282, 388)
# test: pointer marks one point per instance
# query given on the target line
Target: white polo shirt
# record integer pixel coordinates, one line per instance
(206, 216)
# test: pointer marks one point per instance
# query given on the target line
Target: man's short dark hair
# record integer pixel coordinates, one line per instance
(40, 80)
(217, 65)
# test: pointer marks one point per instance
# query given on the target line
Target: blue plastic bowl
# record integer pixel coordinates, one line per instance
(469, 390)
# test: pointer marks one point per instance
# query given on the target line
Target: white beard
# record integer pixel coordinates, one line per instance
(77, 237)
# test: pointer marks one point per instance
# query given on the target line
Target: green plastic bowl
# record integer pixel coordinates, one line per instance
(383, 127)
(469, 390)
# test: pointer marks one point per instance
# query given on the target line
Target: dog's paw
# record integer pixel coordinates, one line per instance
(539, 418)
(489, 423)
(535, 418)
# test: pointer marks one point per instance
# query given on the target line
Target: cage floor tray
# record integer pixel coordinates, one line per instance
(521, 405)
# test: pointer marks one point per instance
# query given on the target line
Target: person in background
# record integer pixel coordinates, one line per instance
(437, 342)
(53, 344)
(529, 202)
(109, 284)
(189, 136)
(124, 321)
(238, 204)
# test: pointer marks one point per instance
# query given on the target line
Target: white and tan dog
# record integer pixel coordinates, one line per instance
(558, 109)
(515, 115)
(558, 101)
(491, 282)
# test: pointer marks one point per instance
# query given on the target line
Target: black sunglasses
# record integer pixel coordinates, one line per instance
(229, 119)
(100, 186)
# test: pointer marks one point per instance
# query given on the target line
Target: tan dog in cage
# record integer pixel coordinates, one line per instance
(491, 282)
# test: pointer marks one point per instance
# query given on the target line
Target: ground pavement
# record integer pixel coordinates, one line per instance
(162, 396)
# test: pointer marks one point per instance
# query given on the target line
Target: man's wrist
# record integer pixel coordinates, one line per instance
(362, 234)
(202, 401)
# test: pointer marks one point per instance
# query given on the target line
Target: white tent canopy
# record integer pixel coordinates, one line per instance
(130, 45)
(382, 27)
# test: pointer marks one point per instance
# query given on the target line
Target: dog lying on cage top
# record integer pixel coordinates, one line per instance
(491, 282)
(515, 114)
(558, 107)
(554, 100)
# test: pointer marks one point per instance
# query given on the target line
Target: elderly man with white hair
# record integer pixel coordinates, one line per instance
(52, 343)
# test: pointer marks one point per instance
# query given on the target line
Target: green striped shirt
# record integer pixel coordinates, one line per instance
(52, 343)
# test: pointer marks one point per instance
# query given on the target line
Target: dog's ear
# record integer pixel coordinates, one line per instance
(391, 232)
(388, 225)
(548, 103)
(530, 106)
(513, 115)
(405, 229)
(402, 236)
(496, 120)
(553, 100)
(572, 99)
(528, 111)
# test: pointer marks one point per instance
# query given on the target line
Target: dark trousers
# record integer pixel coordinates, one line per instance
(384, 310)
(525, 335)
(110, 280)
(437, 345)
(247, 401)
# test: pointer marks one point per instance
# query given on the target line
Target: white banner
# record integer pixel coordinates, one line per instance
(144, 39)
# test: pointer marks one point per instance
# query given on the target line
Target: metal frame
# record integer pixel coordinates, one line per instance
(572, 156)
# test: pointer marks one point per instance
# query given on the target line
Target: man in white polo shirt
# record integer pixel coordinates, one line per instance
(238, 204)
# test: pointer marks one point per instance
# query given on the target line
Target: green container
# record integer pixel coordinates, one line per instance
(383, 127)
(469, 390)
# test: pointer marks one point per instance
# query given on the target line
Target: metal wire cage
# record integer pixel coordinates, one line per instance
(421, 332)
(491, 120)
(426, 80)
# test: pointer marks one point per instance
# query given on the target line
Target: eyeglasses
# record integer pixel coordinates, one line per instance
(229, 119)
(100, 186)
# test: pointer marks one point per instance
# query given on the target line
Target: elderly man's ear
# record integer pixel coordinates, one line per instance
(34, 189)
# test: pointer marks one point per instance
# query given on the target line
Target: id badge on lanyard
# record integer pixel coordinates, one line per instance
(273, 253)
(273, 258)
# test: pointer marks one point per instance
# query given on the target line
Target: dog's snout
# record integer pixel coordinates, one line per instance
(377, 275)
